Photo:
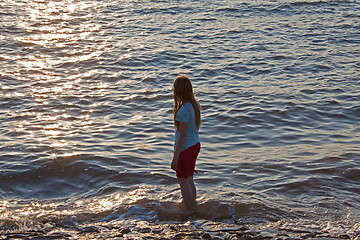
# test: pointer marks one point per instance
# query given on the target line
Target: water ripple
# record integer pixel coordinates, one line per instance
(86, 102)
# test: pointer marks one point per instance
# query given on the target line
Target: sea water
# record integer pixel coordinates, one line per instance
(86, 127)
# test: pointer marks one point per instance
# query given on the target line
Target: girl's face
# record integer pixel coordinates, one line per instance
(173, 90)
(176, 88)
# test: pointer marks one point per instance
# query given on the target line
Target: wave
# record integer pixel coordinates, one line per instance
(143, 210)
(288, 7)
(86, 174)
(139, 204)
(320, 2)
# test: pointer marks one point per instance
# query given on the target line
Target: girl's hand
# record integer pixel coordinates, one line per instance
(174, 164)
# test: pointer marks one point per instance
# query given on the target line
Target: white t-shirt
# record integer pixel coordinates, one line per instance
(187, 114)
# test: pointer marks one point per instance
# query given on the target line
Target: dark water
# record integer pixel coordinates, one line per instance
(86, 110)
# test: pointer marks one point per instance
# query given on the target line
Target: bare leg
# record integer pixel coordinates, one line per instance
(187, 192)
(193, 188)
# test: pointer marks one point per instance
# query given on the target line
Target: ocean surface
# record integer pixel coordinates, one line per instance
(86, 127)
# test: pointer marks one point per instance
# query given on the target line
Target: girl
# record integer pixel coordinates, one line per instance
(187, 142)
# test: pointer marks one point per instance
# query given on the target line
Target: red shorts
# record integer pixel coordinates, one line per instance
(186, 163)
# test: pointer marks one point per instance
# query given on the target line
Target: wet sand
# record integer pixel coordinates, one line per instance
(187, 230)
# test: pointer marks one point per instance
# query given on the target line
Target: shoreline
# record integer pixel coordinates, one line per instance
(138, 229)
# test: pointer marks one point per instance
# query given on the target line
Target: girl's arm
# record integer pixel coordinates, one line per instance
(179, 145)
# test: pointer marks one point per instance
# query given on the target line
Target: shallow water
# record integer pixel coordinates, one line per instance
(85, 119)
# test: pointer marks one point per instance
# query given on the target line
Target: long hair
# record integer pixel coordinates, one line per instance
(183, 92)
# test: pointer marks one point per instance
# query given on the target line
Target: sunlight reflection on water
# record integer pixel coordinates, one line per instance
(86, 106)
